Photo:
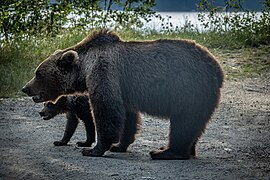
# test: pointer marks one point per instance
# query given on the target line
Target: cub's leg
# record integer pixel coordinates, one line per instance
(72, 123)
(90, 131)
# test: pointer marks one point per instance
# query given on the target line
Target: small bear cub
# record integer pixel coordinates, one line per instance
(75, 107)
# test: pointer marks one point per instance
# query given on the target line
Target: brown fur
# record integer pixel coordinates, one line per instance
(176, 79)
(97, 38)
(75, 107)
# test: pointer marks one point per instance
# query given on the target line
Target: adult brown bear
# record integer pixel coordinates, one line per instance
(175, 79)
(75, 107)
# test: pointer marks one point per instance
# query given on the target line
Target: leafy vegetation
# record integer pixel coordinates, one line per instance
(25, 18)
(250, 28)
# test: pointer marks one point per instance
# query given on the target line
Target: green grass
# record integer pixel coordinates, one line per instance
(244, 62)
(19, 59)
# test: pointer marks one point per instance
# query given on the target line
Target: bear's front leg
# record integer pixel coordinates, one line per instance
(132, 125)
(109, 125)
(110, 114)
(97, 151)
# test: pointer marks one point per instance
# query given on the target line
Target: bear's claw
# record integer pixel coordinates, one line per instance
(167, 154)
(91, 152)
(118, 149)
(83, 144)
(59, 143)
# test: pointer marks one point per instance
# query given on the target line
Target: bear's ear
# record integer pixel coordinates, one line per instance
(67, 60)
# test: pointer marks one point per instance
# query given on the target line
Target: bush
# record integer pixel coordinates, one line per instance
(251, 28)
(21, 18)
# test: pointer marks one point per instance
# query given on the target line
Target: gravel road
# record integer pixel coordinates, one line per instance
(236, 144)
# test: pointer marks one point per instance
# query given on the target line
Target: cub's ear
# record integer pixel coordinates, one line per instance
(67, 60)
(61, 101)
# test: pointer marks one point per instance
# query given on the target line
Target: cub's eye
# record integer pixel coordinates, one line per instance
(50, 105)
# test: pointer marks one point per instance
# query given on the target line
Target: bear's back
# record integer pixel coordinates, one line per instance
(157, 75)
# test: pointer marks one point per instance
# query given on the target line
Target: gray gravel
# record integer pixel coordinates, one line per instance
(236, 144)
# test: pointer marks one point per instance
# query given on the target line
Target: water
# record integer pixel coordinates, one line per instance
(190, 20)
(177, 19)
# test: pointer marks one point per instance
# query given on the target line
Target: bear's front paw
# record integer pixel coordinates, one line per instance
(83, 144)
(91, 152)
(162, 148)
(59, 143)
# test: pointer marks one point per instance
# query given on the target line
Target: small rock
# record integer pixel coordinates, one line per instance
(228, 149)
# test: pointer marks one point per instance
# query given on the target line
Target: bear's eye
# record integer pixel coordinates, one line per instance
(38, 75)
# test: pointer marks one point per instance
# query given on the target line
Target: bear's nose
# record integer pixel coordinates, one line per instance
(41, 113)
(25, 90)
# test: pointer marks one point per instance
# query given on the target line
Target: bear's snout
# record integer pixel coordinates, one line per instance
(41, 113)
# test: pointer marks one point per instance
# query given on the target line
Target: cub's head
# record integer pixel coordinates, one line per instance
(55, 76)
(51, 109)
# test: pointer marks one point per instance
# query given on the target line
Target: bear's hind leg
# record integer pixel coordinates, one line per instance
(193, 149)
(128, 137)
(184, 132)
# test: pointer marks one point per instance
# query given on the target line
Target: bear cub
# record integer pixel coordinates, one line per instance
(75, 107)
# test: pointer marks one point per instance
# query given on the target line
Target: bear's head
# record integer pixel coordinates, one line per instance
(51, 109)
(55, 76)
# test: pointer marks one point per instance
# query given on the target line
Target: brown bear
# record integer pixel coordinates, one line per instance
(175, 79)
(75, 107)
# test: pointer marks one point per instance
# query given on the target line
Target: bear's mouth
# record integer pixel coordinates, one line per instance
(45, 116)
(38, 98)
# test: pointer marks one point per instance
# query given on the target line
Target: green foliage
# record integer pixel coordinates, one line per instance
(22, 18)
(251, 28)
(19, 58)
(17, 17)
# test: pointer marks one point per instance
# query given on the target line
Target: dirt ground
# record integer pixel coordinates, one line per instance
(236, 144)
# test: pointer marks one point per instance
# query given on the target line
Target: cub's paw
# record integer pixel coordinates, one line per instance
(83, 144)
(91, 152)
(59, 143)
(118, 148)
